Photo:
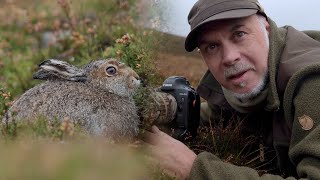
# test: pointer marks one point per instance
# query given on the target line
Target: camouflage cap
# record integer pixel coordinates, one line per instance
(205, 11)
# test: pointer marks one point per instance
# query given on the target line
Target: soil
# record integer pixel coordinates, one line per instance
(174, 60)
(190, 67)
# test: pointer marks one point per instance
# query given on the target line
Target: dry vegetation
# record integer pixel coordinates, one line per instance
(174, 60)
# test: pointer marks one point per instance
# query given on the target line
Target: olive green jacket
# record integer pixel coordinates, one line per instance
(291, 115)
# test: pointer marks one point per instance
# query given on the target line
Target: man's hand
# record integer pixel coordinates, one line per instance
(173, 156)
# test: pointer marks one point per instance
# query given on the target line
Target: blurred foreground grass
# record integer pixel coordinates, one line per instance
(30, 160)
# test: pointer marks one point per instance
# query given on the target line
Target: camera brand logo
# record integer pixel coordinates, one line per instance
(167, 85)
(183, 94)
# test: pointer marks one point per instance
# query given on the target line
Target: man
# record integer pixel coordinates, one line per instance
(258, 69)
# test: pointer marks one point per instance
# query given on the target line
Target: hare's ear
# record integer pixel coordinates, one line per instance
(59, 70)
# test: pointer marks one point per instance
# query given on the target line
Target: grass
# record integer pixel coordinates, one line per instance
(86, 160)
(81, 31)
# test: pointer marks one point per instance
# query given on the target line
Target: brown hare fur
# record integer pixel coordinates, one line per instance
(98, 96)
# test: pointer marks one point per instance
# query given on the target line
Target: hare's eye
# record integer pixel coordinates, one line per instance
(111, 70)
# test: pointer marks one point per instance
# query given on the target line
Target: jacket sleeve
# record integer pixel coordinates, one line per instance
(304, 150)
(209, 166)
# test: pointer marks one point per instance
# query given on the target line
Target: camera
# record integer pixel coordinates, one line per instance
(181, 106)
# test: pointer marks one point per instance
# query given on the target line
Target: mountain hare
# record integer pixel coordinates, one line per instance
(99, 95)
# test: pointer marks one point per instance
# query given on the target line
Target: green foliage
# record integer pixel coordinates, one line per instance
(135, 50)
(41, 128)
(76, 32)
(5, 101)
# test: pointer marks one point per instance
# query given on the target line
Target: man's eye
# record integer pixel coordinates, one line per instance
(239, 34)
(211, 47)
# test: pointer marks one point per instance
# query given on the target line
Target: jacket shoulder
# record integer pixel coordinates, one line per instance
(300, 51)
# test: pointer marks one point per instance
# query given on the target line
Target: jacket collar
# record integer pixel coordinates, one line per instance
(277, 38)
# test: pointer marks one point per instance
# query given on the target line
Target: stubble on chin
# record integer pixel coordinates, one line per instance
(252, 93)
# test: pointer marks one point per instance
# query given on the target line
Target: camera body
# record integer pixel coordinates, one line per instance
(187, 114)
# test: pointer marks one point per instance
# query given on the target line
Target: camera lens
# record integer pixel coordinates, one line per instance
(166, 107)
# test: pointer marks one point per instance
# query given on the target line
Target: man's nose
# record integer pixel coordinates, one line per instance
(231, 54)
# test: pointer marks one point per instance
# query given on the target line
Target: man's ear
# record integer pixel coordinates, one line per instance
(264, 20)
(267, 25)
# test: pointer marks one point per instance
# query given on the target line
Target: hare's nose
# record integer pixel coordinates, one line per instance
(142, 83)
(136, 81)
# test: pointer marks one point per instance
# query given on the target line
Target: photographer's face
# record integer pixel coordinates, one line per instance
(236, 52)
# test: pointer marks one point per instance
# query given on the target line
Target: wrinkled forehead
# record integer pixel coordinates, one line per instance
(224, 26)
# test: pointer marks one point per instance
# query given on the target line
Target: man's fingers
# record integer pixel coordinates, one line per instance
(157, 138)
(155, 129)
(154, 136)
(149, 137)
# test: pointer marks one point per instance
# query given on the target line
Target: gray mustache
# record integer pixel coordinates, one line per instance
(237, 69)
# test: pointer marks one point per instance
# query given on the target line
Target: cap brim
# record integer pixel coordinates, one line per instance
(190, 42)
